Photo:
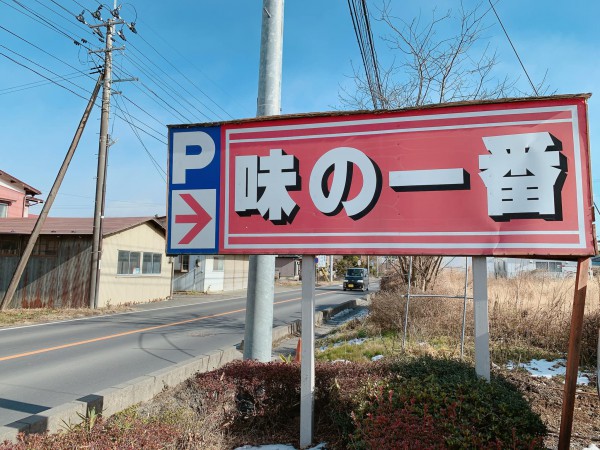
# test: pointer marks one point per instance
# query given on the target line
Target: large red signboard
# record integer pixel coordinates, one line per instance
(505, 178)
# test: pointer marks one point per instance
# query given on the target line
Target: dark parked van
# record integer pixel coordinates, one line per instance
(356, 278)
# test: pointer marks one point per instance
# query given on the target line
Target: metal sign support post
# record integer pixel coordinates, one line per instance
(573, 354)
(464, 318)
(410, 266)
(482, 326)
(307, 365)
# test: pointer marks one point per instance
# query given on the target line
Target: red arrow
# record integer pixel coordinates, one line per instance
(201, 218)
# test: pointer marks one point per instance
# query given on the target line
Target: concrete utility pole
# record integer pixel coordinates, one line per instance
(261, 270)
(102, 159)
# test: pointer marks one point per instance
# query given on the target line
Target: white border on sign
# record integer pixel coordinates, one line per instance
(580, 230)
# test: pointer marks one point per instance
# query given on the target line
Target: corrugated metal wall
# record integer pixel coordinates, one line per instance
(55, 281)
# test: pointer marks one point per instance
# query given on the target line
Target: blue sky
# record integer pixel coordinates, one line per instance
(198, 62)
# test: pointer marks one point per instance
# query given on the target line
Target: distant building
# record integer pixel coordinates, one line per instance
(504, 267)
(288, 267)
(134, 266)
(16, 197)
(210, 273)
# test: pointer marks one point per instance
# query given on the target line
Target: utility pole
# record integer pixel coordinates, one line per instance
(261, 271)
(14, 282)
(102, 148)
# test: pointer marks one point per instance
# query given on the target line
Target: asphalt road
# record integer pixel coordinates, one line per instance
(46, 365)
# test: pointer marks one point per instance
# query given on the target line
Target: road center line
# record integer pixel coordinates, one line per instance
(142, 330)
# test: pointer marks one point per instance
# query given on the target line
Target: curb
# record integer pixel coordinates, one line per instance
(284, 331)
(117, 398)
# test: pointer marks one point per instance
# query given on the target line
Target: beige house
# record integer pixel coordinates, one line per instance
(134, 267)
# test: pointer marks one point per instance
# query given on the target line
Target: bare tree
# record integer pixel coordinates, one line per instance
(432, 66)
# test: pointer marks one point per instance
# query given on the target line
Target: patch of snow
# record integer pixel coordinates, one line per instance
(591, 447)
(357, 341)
(376, 357)
(349, 314)
(548, 369)
(267, 447)
(342, 314)
(321, 446)
(340, 361)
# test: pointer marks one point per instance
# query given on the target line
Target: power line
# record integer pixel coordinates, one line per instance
(43, 76)
(175, 49)
(190, 81)
(181, 86)
(364, 37)
(69, 18)
(138, 127)
(41, 66)
(39, 18)
(155, 163)
(44, 51)
(143, 110)
(36, 84)
(166, 89)
(514, 49)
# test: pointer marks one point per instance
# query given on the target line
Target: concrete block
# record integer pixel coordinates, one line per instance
(62, 417)
(34, 423)
(116, 399)
(142, 388)
(9, 432)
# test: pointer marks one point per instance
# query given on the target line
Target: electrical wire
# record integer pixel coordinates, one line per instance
(514, 49)
(44, 51)
(155, 163)
(42, 75)
(161, 84)
(181, 86)
(36, 84)
(364, 37)
(190, 81)
(160, 122)
(176, 50)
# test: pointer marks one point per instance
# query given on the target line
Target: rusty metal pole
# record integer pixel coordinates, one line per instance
(14, 282)
(566, 419)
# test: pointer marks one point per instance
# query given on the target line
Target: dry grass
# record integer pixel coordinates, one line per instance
(529, 316)
(14, 317)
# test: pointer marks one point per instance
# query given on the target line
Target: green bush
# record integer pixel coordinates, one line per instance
(443, 404)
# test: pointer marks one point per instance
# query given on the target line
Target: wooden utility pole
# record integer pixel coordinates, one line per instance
(14, 282)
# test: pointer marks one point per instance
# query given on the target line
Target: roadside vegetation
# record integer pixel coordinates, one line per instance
(21, 316)
(419, 397)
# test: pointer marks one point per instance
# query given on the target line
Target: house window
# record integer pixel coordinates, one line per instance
(45, 247)
(138, 263)
(128, 263)
(151, 263)
(217, 263)
(549, 266)
(4, 209)
(9, 246)
(185, 263)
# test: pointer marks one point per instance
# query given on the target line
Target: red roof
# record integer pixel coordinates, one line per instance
(73, 225)
(29, 190)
